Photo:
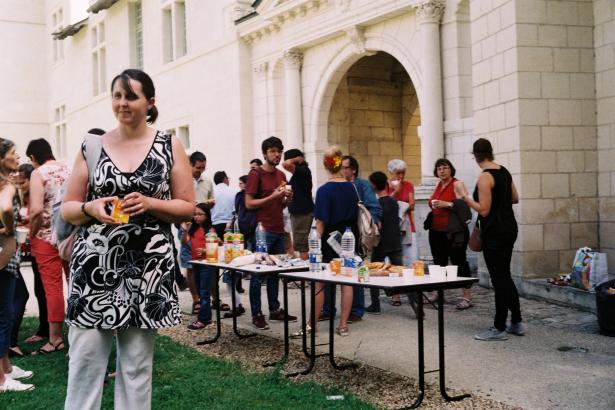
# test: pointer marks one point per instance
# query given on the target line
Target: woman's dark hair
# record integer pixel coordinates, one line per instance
(378, 180)
(25, 170)
(206, 225)
(244, 179)
(40, 150)
(5, 147)
(439, 163)
(256, 161)
(482, 150)
(354, 164)
(147, 85)
(272, 142)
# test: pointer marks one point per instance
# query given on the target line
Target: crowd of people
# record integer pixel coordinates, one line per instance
(123, 277)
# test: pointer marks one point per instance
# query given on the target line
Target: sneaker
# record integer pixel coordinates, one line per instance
(15, 385)
(323, 316)
(19, 373)
(374, 310)
(516, 329)
(491, 334)
(197, 325)
(279, 315)
(354, 318)
(259, 322)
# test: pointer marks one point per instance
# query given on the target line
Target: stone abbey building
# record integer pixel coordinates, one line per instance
(410, 79)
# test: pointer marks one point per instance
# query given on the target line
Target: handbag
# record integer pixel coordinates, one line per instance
(368, 231)
(8, 247)
(428, 221)
(476, 242)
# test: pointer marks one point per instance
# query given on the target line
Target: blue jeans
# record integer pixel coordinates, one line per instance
(203, 277)
(7, 292)
(358, 301)
(276, 244)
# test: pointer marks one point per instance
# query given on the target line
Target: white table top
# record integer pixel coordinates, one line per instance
(253, 267)
(384, 282)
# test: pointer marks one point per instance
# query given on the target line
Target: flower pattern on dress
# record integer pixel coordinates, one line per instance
(123, 275)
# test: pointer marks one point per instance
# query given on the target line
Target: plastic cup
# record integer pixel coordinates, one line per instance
(407, 273)
(437, 272)
(21, 234)
(419, 268)
(451, 271)
(335, 266)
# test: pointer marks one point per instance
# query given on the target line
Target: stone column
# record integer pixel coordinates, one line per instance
(292, 81)
(260, 106)
(429, 14)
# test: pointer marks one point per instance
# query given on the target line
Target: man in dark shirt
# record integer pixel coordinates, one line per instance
(301, 208)
(390, 234)
(265, 192)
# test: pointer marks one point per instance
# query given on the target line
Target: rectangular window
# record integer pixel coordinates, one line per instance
(99, 59)
(60, 131)
(174, 33)
(182, 133)
(57, 46)
(135, 13)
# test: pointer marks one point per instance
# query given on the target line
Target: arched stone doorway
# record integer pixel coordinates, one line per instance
(375, 115)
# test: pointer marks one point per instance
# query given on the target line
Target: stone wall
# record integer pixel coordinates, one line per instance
(534, 98)
(375, 116)
(604, 42)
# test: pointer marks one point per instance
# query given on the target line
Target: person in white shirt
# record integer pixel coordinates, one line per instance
(222, 212)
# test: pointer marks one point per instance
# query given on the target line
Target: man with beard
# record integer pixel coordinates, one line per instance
(265, 192)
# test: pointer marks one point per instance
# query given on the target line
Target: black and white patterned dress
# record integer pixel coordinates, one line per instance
(122, 275)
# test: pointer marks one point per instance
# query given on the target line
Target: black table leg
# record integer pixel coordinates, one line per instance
(218, 321)
(441, 351)
(419, 317)
(312, 355)
(234, 311)
(284, 357)
(332, 334)
(304, 321)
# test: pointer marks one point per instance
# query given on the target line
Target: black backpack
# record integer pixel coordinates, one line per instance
(246, 218)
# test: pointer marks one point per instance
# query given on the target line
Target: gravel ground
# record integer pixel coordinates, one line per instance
(384, 389)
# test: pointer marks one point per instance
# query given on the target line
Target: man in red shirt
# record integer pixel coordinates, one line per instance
(266, 194)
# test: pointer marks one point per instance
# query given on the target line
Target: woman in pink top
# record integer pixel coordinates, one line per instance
(46, 183)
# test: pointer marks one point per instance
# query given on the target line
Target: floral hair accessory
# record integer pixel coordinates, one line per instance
(333, 162)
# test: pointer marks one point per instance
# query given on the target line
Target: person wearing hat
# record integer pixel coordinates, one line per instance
(301, 207)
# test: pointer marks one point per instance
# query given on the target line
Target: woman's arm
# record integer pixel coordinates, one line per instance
(181, 206)
(411, 201)
(6, 208)
(320, 227)
(515, 194)
(485, 185)
(186, 236)
(37, 202)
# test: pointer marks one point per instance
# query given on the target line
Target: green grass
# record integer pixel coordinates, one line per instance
(183, 379)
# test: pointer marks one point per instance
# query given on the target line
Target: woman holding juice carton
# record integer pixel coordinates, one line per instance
(122, 274)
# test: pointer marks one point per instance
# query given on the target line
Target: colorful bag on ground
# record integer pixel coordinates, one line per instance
(589, 269)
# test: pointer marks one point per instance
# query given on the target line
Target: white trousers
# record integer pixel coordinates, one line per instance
(89, 355)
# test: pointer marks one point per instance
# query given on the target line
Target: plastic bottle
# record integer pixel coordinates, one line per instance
(315, 254)
(348, 260)
(211, 246)
(228, 245)
(261, 240)
(238, 244)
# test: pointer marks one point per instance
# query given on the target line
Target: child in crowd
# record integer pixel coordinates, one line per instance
(390, 234)
(195, 235)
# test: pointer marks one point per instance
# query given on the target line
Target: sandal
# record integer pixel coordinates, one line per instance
(16, 352)
(35, 339)
(58, 347)
(299, 333)
(342, 331)
(224, 307)
(196, 307)
(464, 304)
(396, 303)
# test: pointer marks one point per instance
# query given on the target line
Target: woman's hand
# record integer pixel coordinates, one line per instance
(200, 252)
(396, 184)
(136, 203)
(97, 209)
(436, 203)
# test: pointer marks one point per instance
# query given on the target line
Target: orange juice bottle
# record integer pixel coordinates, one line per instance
(419, 268)
(211, 246)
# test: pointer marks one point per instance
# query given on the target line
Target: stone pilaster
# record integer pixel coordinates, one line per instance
(292, 76)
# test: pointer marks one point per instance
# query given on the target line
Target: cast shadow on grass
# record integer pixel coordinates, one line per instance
(184, 379)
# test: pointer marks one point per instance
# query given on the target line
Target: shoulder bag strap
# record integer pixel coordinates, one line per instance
(93, 148)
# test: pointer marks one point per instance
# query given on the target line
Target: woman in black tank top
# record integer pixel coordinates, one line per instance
(493, 198)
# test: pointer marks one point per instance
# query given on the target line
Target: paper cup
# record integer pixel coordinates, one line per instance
(407, 273)
(451, 271)
(437, 272)
(21, 234)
